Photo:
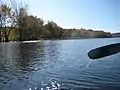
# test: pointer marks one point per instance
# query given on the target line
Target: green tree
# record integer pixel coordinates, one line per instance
(54, 30)
(35, 27)
(22, 22)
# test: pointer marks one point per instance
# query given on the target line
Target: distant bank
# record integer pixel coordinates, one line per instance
(116, 34)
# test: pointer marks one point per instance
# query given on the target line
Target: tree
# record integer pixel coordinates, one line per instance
(0, 25)
(22, 22)
(35, 27)
(5, 20)
(54, 30)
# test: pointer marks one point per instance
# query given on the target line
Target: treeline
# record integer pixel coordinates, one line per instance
(17, 25)
(116, 34)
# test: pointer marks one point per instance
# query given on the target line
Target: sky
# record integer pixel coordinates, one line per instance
(88, 14)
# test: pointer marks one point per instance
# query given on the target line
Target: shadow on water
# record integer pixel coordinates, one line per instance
(19, 62)
(27, 55)
(20, 55)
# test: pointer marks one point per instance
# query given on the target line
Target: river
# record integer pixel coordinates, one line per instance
(58, 65)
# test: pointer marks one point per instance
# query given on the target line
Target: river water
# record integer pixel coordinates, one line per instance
(58, 65)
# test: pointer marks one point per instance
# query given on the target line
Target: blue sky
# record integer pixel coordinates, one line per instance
(93, 14)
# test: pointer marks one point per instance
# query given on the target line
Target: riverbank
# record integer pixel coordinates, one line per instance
(45, 39)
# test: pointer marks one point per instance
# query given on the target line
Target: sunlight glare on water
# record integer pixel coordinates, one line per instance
(49, 86)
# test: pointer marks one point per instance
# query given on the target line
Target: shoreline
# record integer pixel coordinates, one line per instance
(33, 41)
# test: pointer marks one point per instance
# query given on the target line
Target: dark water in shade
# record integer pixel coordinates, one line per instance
(58, 65)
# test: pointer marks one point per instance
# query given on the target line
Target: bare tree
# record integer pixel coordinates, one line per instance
(9, 17)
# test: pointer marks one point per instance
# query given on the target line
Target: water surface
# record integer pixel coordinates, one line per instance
(58, 65)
